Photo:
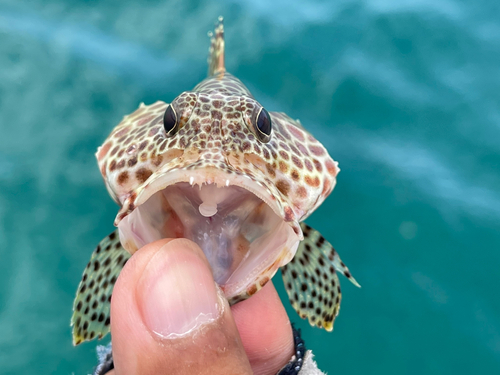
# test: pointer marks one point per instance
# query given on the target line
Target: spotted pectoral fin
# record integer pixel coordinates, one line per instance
(91, 309)
(311, 279)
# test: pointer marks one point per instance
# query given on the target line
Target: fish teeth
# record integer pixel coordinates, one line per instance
(191, 180)
(227, 182)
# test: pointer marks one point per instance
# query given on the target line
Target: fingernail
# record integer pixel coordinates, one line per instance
(176, 293)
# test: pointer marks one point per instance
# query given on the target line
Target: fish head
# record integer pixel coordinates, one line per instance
(216, 167)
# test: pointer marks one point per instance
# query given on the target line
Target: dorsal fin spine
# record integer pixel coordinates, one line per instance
(216, 51)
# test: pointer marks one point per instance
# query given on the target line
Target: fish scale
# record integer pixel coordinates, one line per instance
(268, 172)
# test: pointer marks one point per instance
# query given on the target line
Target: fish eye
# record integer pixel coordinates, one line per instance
(263, 125)
(170, 121)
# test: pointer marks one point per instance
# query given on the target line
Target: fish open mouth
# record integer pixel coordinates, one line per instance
(235, 220)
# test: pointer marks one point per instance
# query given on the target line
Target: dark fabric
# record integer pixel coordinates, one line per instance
(105, 355)
(293, 367)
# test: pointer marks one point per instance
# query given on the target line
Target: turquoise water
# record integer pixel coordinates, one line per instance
(404, 94)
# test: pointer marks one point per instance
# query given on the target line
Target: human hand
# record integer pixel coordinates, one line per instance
(168, 316)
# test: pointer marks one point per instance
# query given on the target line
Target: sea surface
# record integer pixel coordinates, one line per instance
(404, 94)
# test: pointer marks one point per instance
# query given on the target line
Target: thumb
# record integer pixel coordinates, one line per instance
(168, 315)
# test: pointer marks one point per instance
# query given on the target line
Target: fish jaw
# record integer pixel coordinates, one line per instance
(237, 222)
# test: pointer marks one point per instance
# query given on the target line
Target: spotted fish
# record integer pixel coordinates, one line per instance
(216, 167)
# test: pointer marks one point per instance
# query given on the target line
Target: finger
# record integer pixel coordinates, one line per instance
(265, 330)
(168, 315)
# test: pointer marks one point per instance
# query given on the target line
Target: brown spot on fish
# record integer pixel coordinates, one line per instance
(283, 166)
(216, 115)
(120, 133)
(270, 170)
(122, 178)
(284, 146)
(302, 149)
(301, 192)
(114, 150)
(318, 165)
(317, 150)
(314, 182)
(309, 165)
(145, 120)
(128, 140)
(284, 155)
(263, 281)
(265, 153)
(331, 168)
(294, 150)
(283, 186)
(131, 199)
(157, 161)
(103, 170)
(120, 164)
(297, 162)
(297, 133)
(141, 133)
(252, 289)
(132, 161)
(103, 151)
(143, 174)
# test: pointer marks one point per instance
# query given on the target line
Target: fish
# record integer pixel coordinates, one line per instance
(216, 167)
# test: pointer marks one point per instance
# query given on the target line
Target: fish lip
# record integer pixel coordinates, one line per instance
(213, 174)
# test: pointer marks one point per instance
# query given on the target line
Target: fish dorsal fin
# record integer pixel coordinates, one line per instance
(91, 309)
(216, 50)
(311, 280)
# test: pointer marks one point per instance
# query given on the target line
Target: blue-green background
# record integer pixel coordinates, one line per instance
(404, 94)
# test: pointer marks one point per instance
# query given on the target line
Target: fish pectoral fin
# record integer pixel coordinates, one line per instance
(91, 309)
(311, 279)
